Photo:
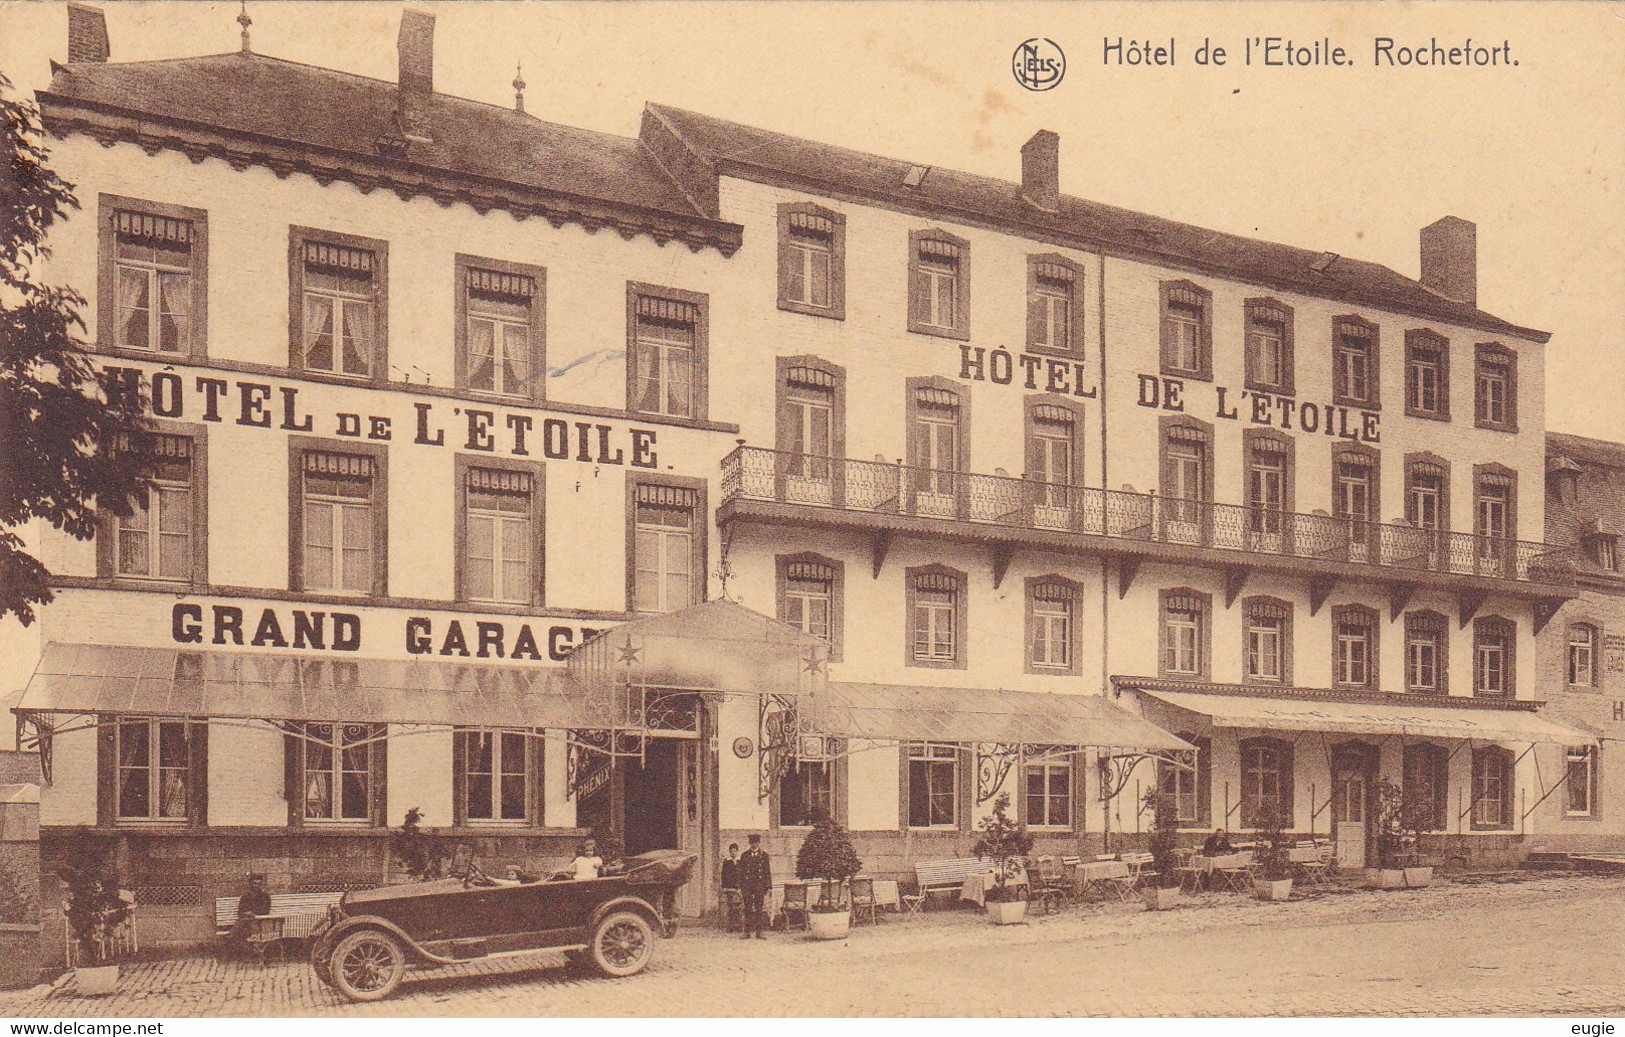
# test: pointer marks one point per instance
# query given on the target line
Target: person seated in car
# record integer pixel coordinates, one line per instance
(587, 864)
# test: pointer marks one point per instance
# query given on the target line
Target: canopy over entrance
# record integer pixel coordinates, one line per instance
(897, 712)
(1484, 720)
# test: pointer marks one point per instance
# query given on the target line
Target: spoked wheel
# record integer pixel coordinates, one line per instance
(622, 944)
(367, 965)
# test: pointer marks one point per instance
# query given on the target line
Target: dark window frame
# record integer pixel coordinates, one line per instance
(960, 329)
(1486, 354)
(1372, 622)
(1434, 626)
(298, 237)
(1417, 339)
(699, 549)
(1073, 763)
(1593, 755)
(911, 577)
(1435, 760)
(462, 465)
(1266, 310)
(1167, 598)
(1203, 371)
(535, 781)
(1358, 327)
(836, 310)
(298, 446)
(839, 794)
(837, 594)
(1076, 325)
(1426, 463)
(701, 383)
(1485, 627)
(107, 777)
(463, 265)
(1278, 608)
(1285, 802)
(786, 465)
(1032, 406)
(293, 771)
(1506, 774)
(1594, 670)
(107, 524)
(107, 208)
(1202, 786)
(1074, 665)
(964, 788)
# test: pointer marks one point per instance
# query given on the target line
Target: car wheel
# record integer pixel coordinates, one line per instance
(321, 958)
(622, 943)
(367, 965)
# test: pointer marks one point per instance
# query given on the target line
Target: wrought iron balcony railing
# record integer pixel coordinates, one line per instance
(754, 474)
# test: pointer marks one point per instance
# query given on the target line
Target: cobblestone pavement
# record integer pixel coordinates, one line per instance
(1537, 946)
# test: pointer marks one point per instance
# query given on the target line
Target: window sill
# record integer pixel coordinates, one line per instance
(1056, 351)
(1274, 390)
(811, 310)
(1198, 376)
(1427, 415)
(1580, 817)
(1490, 829)
(1354, 404)
(1054, 671)
(957, 334)
(138, 353)
(1495, 426)
(935, 664)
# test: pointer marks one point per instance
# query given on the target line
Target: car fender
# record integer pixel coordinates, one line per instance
(637, 905)
(331, 937)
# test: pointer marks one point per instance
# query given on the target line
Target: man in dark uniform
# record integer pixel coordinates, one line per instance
(755, 881)
(733, 901)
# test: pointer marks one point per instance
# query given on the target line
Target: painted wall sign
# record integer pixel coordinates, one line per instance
(1034, 373)
(490, 430)
(320, 630)
(1272, 410)
(1613, 652)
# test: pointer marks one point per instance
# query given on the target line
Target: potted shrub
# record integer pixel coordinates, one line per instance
(827, 854)
(95, 908)
(418, 852)
(1272, 865)
(1402, 817)
(1163, 892)
(1004, 842)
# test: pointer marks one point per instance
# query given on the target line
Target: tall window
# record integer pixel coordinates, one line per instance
(935, 436)
(1427, 375)
(340, 544)
(1425, 780)
(1580, 780)
(1493, 788)
(1603, 549)
(1354, 362)
(501, 323)
(155, 286)
(1494, 641)
(496, 776)
(665, 553)
(1266, 782)
(1494, 514)
(1186, 480)
(812, 260)
(500, 527)
(1427, 653)
(809, 422)
(338, 771)
(1187, 788)
(1582, 655)
(1355, 495)
(807, 793)
(938, 276)
(1054, 307)
(1269, 346)
(666, 352)
(1187, 330)
(1427, 489)
(936, 618)
(1052, 453)
(157, 539)
(1051, 610)
(1495, 388)
(154, 779)
(933, 786)
(1354, 647)
(809, 597)
(1184, 634)
(1269, 482)
(1268, 648)
(341, 284)
(1048, 790)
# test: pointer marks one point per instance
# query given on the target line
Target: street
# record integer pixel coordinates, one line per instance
(1536, 946)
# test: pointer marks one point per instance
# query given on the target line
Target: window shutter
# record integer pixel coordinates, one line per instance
(1035, 456)
(1035, 319)
(1080, 793)
(1165, 333)
(459, 777)
(785, 223)
(1289, 815)
(293, 774)
(902, 787)
(965, 775)
(919, 294)
(535, 778)
(198, 775)
(1204, 781)
(106, 769)
(378, 768)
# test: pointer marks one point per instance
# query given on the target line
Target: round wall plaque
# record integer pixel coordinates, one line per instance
(743, 747)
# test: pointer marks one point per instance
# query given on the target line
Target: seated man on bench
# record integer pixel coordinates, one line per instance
(253, 904)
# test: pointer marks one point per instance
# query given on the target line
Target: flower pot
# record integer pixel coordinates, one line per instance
(1272, 889)
(1006, 912)
(95, 980)
(829, 925)
(1417, 878)
(1160, 899)
(1390, 878)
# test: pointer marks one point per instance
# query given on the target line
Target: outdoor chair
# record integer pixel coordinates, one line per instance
(795, 905)
(1235, 870)
(1048, 886)
(862, 892)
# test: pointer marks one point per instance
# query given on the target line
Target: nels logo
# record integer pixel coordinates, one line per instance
(1038, 64)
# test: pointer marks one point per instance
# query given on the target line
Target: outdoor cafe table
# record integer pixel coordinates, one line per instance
(976, 886)
(886, 896)
(1095, 874)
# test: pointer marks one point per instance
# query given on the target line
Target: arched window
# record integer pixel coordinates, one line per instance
(1266, 782)
(1354, 646)
(1426, 781)
(1427, 653)
(1190, 792)
(1267, 641)
(1493, 787)
(1495, 643)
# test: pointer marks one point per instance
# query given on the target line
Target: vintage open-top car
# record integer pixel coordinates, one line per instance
(366, 944)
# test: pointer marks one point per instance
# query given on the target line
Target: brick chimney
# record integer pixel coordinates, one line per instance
(415, 45)
(87, 34)
(1450, 259)
(1041, 170)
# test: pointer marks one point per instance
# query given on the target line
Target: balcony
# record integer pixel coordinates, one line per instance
(1008, 513)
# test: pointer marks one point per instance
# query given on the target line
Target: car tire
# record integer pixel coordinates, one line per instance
(321, 958)
(622, 943)
(367, 965)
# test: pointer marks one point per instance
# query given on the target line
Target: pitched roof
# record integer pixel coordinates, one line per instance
(288, 110)
(1600, 503)
(749, 153)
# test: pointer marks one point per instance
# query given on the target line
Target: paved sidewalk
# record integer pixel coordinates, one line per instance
(1541, 946)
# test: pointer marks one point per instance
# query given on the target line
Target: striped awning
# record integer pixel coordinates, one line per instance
(498, 480)
(670, 496)
(938, 248)
(324, 463)
(1268, 313)
(804, 570)
(675, 310)
(338, 257)
(156, 444)
(1055, 415)
(814, 222)
(1355, 329)
(932, 397)
(497, 283)
(152, 228)
(1053, 271)
(1182, 296)
(809, 377)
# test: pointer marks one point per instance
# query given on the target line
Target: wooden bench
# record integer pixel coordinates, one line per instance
(940, 876)
(298, 914)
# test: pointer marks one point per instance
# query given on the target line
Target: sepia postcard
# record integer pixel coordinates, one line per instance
(895, 509)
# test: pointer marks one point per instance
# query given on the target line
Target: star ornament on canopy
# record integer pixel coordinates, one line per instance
(813, 661)
(628, 653)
